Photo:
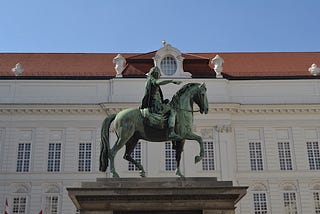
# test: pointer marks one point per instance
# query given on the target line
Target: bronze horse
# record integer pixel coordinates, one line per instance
(129, 128)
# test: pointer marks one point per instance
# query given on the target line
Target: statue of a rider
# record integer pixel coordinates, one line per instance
(153, 99)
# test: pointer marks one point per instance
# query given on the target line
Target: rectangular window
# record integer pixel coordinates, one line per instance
(260, 203)
(19, 205)
(23, 159)
(208, 159)
(136, 155)
(54, 157)
(284, 155)
(313, 155)
(51, 205)
(316, 198)
(256, 160)
(290, 203)
(84, 164)
(170, 157)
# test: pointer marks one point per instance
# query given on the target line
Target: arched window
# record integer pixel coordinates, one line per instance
(20, 199)
(51, 199)
(259, 196)
(290, 200)
(168, 65)
(316, 197)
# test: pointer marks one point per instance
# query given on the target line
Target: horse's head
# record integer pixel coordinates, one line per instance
(201, 99)
(189, 93)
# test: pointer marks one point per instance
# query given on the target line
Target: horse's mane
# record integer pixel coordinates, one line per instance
(182, 90)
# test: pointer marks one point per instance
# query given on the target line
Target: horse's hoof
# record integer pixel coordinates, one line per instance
(115, 175)
(197, 159)
(180, 175)
(142, 174)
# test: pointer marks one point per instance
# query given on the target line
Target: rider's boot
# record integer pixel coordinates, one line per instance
(171, 123)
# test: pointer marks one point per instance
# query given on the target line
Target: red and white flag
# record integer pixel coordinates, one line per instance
(7, 208)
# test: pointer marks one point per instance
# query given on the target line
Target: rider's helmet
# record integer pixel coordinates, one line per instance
(154, 72)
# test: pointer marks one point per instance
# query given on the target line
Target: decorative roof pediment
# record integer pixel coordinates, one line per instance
(170, 62)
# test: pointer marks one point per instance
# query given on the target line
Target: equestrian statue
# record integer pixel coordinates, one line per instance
(157, 120)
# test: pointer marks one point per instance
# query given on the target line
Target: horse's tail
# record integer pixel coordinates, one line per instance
(105, 144)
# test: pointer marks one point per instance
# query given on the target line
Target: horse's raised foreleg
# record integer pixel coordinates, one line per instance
(192, 136)
(178, 146)
(127, 156)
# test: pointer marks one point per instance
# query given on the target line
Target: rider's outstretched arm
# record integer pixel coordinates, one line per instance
(164, 82)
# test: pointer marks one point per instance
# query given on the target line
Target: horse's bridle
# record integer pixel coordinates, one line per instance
(199, 97)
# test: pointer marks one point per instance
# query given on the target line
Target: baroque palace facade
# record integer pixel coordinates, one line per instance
(262, 130)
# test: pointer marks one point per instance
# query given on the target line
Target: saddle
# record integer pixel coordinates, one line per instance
(154, 120)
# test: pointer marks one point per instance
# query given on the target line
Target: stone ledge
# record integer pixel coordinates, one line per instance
(156, 194)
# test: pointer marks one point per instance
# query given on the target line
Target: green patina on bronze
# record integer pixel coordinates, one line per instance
(157, 120)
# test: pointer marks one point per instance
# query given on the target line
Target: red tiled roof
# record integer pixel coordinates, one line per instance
(262, 64)
(59, 64)
(267, 64)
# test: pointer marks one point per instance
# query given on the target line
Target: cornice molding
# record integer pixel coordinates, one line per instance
(235, 108)
(50, 109)
(111, 108)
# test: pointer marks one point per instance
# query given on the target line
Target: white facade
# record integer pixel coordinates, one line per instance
(265, 134)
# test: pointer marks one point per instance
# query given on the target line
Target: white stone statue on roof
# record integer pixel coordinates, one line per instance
(120, 62)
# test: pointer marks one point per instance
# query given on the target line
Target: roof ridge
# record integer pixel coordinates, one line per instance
(143, 54)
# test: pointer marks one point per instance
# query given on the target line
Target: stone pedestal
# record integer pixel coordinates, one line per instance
(156, 195)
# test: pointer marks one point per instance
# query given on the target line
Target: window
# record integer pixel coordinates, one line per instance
(255, 151)
(313, 155)
(290, 202)
(208, 159)
(51, 201)
(54, 157)
(168, 65)
(260, 203)
(51, 206)
(84, 164)
(23, 159)
(19, 205)
(170, 157)
(284, 156)
(136, 154)
(316, 198)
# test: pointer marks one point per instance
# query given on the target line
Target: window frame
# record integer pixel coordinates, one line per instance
(256, 163)
(169, 157)
(54, 160)
(207, 162)
(313, 161)
(48, 204)
(137, 155)
(291, 210)
(19, 205)
(285, 155)
(23, 163)
(168, 65)
(259, 193)
(85, 162)
(316, 200)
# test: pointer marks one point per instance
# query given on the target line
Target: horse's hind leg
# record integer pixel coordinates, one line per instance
(122, 140)
(112, 155)
(127, 156)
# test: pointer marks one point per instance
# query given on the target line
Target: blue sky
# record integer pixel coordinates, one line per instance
(138, 26)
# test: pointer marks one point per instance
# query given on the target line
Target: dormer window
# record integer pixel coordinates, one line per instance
(168, 66)
(170, 62)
